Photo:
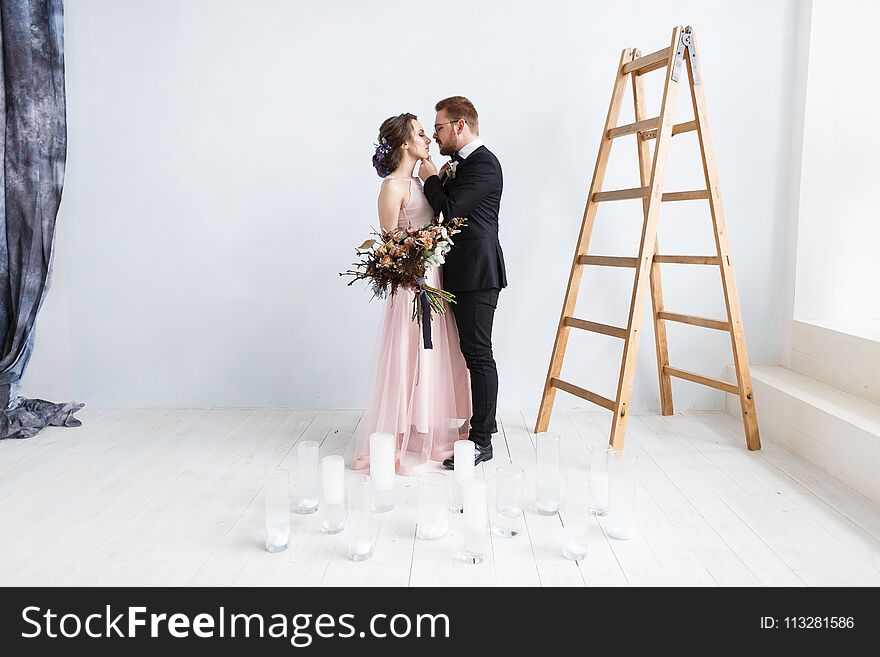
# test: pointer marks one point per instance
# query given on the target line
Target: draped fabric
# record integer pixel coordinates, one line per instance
(32, 152)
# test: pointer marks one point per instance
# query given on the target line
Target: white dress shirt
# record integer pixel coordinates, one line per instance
(469, 148)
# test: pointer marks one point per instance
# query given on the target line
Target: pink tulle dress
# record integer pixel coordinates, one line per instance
(422, 396)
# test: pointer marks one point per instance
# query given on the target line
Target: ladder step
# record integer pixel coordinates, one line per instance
(638, 126)
(703, 380)
(648, 62)
(621, 194)
(687, 260)
(642, 192)
(695, 321)
(608, 261)
(677, 129)
(595, 327)
(694, 195)
(599, 400)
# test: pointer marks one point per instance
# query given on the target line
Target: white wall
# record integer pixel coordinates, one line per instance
(798, 90)
(839, 222)
(218, 178)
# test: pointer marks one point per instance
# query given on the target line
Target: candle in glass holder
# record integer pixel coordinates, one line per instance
(547, 474)
(306, 491)
(333, 494)
(382, 465)
(359, 528)
(576, 518)
(277, 500)
(475, 522)
(463, 455)
(599, 476)
(433, 519)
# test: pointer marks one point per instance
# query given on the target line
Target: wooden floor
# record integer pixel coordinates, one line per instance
(172, 497)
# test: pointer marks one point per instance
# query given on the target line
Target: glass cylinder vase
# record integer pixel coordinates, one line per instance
(622, 482)
(359, 528)
(305, 490)
(509, 484)
(332, 494)
(382, 471)
(576, 517)
(547, 473)
(433, 513)
(475, 520)
(463, 456)
(276, 494)
(600, 449)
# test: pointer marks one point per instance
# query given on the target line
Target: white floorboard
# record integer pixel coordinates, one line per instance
(174, 497)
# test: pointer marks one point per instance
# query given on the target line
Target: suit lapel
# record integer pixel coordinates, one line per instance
(463, 163)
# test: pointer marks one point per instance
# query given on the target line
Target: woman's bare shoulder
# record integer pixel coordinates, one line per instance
(392, 188)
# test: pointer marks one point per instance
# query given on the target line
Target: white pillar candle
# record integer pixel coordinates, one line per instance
(333, 480)
(475, 503)
(463, 453)
(382, 459)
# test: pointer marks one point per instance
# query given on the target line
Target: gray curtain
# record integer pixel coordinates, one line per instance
(32, 152)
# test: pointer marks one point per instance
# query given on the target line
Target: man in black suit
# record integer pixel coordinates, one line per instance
(469, 185)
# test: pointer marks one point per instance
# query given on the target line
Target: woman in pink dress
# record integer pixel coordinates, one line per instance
(421, 396)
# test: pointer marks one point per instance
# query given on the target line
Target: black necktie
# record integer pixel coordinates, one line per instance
(456, 157)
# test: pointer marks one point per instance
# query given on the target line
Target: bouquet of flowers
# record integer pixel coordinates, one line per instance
(400, 257)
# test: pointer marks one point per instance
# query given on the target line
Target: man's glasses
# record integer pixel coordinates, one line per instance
(439, 125)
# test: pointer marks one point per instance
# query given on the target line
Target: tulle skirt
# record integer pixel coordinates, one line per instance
(421, 396)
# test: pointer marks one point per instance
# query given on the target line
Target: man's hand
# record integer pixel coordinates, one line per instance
(427, 169)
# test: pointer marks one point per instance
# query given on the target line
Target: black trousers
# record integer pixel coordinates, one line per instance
(474, 313)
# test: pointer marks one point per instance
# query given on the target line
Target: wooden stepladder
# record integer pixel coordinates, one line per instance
(681, 55)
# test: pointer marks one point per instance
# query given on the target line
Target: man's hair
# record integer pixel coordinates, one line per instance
(459, 107)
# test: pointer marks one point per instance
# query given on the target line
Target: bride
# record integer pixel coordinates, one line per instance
(419, 395)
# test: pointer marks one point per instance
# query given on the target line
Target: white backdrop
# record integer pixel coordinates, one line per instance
(219, 177)
(839, 225)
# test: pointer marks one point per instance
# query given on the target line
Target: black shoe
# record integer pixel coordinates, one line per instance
(480, 454)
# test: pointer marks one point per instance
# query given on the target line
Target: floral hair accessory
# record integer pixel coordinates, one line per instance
(382, 150)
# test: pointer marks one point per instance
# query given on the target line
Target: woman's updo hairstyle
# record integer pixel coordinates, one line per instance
(393, 133)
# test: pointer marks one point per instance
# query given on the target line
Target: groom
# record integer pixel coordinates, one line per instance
(469, 185)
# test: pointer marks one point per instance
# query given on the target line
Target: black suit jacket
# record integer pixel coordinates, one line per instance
(475, 261)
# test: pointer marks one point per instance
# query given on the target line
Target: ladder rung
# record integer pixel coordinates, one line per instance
(703, 380)
(630, 128)
(687, 260)
(621, 194)
(693, 320)
(642, 192)
(595, 327)
(678, 128)
(599, 400)
(608, 261)
(648, 62)
(694, 195)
